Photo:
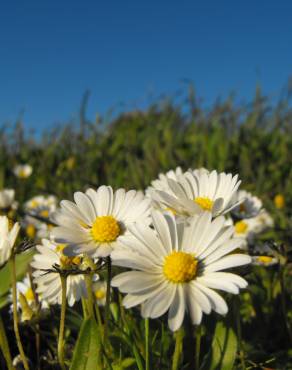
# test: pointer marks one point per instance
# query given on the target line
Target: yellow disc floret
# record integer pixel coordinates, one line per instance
(180, 267)
(30, 231)
(279, 201)
(205, 203)
(265, 260)
(105, 229)
(29, 294)
(44, 213)
(66, 261)
(241, 227)
(99, 294)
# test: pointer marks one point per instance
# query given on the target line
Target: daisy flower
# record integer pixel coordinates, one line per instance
(39, 206)
(22, 171)
(177, 267)
(248, 228)
(49, 284)
(264, 260)
(99, 291)
(194, 193)
(249, 206)
(96, 221)
(24, 287)
(7, 199)
(8, 237)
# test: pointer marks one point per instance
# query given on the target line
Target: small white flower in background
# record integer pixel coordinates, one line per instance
(264, 260)
(264, 255)
(7, 199)
(250, 205)
(24, 287)
(248, 228)
(99, 291)
(49, 284)
(40, 206)
(177, 267)
(22, 171)
(8, 237)
(96, 221)
(194, 193)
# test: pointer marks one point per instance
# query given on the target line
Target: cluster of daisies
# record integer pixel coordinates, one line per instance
(173, 243)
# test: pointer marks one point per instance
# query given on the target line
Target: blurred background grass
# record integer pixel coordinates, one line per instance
(254, 140)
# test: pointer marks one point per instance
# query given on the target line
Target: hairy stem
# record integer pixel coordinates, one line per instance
(61, 343)
(15, 316)
(179, 335)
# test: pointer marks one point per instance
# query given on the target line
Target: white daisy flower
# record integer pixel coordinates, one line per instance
(99, 291)
(196, 193)
(264, 260)
(248, 228)
(97, 219)
(49, 284)
(177, 267)
(249, 206)
(24, 287)
(7, 199)
(22, 171)
(8, 237)
(40, 206)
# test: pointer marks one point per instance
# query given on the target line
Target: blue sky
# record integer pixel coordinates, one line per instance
(124, 51)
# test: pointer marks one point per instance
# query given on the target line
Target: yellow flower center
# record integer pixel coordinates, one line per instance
(30, 231)
(99, 294)
(34, 204)
(241, 227)
(105, 229)
(66, 261)
(22, 174)
(204, 202)
(29, 295)
(279, 201)
(265, 259)
(44, 213)
(180, 267)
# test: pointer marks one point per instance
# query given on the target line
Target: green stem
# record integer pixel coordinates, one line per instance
(90, 303)
(147, 344)
(4, 345)
(84, 308)
(15, 316)
(98, 315)
(198, 347)
(108, 297)
(179, 335)
(239, 335)
(61, 343)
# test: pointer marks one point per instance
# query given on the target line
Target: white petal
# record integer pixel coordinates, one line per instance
(177, 309)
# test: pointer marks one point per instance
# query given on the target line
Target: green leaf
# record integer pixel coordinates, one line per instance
(223, 350)
(22, 261)
(87, 354)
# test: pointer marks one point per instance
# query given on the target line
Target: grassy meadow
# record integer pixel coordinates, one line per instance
(253, 140)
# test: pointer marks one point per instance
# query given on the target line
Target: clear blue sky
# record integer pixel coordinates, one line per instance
(52, 51)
